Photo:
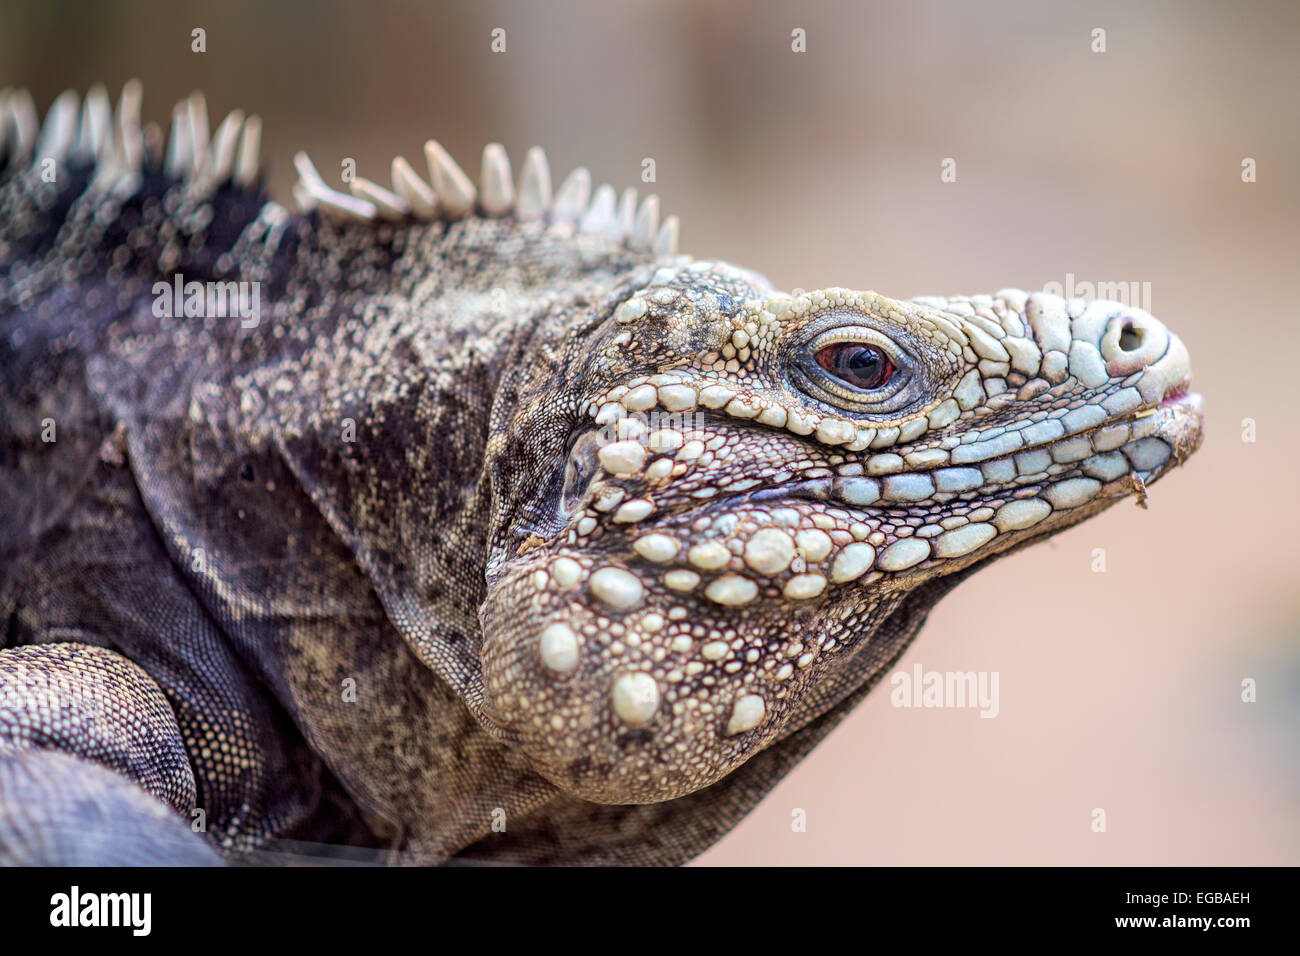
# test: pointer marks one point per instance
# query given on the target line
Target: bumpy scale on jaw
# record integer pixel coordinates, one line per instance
(747, 529)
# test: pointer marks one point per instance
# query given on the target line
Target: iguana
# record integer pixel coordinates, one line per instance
(496, 530)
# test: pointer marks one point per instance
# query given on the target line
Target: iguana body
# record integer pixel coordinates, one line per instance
(504, 532)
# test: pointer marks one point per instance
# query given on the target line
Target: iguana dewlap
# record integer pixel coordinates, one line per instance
(471, 519)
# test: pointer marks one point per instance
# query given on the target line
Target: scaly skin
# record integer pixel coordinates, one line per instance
(505, 532)
(736, 530)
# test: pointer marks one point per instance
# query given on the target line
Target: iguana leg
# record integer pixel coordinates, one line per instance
(92, 767)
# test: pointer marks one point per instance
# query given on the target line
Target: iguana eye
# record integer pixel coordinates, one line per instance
(861, 365)
(851, 366)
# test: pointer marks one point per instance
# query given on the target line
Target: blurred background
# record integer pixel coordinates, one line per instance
(1121, 689)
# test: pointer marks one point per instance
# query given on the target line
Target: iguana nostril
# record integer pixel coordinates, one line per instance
(1131, 338)
(1131, 342)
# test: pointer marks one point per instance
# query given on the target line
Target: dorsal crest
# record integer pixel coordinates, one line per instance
(120, 147)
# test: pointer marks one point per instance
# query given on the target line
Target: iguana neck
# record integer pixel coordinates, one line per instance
(426, 331)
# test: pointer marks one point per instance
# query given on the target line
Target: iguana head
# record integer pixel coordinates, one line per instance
(736, 488)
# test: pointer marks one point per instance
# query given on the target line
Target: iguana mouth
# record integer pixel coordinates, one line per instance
(1178, 405)
(1177, 393)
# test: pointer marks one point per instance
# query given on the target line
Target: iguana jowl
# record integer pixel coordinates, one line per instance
(499, 512)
